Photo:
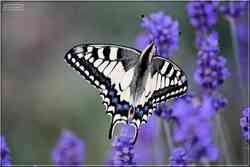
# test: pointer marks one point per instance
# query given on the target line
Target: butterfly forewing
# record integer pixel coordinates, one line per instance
(168, 80)
(101, 64)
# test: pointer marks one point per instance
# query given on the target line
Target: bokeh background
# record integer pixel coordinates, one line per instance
(41, 95)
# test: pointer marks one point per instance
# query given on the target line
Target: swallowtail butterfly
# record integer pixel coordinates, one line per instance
(131, 83)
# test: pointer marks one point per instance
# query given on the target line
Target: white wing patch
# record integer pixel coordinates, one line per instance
(127, 79)
(158, 82)
(149, 86)
(87, 56)
(125, 95)
(109, 69)
(154, 82)
(167, 81)
(164, 68)
(100, 53)
(98, 62)
(162, 82)
(113, 53)
(103, 65)
(117, 75)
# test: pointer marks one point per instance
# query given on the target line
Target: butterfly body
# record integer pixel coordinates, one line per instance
(131, 83)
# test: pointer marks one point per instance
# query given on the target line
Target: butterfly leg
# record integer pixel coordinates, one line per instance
(131, 113)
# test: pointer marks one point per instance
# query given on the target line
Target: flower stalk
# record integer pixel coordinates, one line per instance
(167, 130)
(236, 55)
(222, 140)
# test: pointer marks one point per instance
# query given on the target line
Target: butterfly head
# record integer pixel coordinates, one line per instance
(148, 53)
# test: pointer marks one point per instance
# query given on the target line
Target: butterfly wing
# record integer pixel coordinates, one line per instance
(109, 68)
(167, 81)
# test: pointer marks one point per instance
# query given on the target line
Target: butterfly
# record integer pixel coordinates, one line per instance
(131, 83)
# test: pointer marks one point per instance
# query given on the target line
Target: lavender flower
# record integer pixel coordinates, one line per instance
(200, 37)
(123, 149)
(163, 30)
(234, 9)
(201, 150)
(241, 31)
(193, 127)
(142, 41)
(203, 15)
(4, 150)
(211, 71)
(245, 125)
(219, 103)
(163, 111)
(69, 150)
(178, 157)
(147, 135)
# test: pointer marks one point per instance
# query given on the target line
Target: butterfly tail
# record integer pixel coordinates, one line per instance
(135, 136)
(111, 131)
(113, 125)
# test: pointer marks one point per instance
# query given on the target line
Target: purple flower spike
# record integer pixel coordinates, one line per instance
(147, 136)
(123, 149)
(163, 30)
(219, 103)
(4, 150)
(245, 124)
(211, 71)
(194, 128)
(178, 158)
(142, 41)
(69, 150)
(203, 15)
(163, 111)
(234, 9)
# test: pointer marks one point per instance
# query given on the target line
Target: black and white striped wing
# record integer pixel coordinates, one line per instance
(168, 81)
(101, 64)
(105, 66)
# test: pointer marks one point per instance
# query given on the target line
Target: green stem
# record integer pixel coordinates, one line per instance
(168, 135)
(222, 139)
(157, 149)
(237, 57)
